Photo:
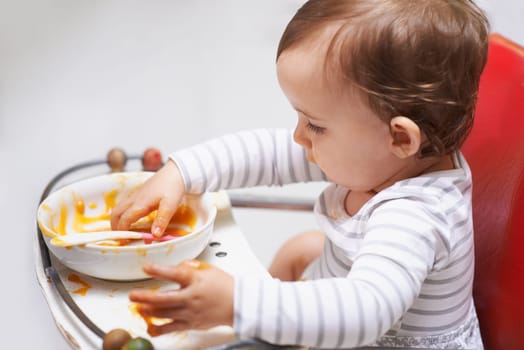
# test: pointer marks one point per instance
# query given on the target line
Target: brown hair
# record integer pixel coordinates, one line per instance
(421, 59)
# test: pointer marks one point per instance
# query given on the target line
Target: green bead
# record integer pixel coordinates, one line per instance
(138, 344)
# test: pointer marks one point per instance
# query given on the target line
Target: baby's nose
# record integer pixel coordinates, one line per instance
(300, 136)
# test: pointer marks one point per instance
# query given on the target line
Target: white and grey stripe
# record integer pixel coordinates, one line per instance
(401, 268)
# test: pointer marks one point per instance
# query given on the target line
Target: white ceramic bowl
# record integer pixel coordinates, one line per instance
(95, 197)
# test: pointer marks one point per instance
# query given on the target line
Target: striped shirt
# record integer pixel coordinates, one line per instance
(397, 273)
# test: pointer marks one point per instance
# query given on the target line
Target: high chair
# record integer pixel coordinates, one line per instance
(495, 152)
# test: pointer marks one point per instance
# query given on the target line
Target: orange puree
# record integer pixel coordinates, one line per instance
(198, 264)
(76, 279)
(151, 322)
(184, 216)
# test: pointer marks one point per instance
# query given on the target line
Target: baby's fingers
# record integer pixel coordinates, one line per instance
(181, 274)
(117, 212)
(178, 313)
(173, 326)
(133, 213)
(166, 209)
(158, 299)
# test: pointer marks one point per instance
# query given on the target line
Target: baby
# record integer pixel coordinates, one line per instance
(385, 92)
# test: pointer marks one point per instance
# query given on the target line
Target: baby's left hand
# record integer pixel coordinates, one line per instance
(204, 300)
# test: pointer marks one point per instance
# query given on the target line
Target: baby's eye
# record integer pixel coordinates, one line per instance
(314, 128)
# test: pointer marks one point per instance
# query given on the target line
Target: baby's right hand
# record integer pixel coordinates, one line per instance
(162, 192)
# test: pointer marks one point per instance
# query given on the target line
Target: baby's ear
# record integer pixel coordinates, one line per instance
(406, 137)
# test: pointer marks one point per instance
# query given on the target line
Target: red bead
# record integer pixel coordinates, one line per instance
(152, 159)
(116, 159)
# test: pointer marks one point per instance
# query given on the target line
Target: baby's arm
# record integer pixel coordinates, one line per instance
(384, 281)
(245, 159)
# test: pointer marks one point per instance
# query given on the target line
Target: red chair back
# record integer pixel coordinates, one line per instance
(495, 152)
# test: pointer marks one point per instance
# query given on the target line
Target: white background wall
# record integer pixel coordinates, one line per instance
(79, 77)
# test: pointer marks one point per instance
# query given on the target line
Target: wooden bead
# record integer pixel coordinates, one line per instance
(152, 159)
(116, 159)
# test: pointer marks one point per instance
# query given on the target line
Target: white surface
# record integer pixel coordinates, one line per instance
(79, 77)
(107, 305)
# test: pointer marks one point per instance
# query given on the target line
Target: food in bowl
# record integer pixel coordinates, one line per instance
(85, 207)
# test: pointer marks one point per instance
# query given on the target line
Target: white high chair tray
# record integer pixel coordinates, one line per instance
(107, 305)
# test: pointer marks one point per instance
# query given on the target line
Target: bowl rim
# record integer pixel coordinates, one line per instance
(149, 246)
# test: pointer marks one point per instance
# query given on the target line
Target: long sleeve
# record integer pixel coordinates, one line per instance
(397, 273)
(355, 310)
(245, 159)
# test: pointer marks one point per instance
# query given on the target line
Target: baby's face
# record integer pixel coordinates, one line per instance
(339, 132)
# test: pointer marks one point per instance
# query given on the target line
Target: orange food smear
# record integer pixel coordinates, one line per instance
(110, 200)
(79, 204)
(80, 220)
(184, 215)
(76, 279)
(198, 264)
(114, 242)
(151, 322)
(62, 220)
(141, 251)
